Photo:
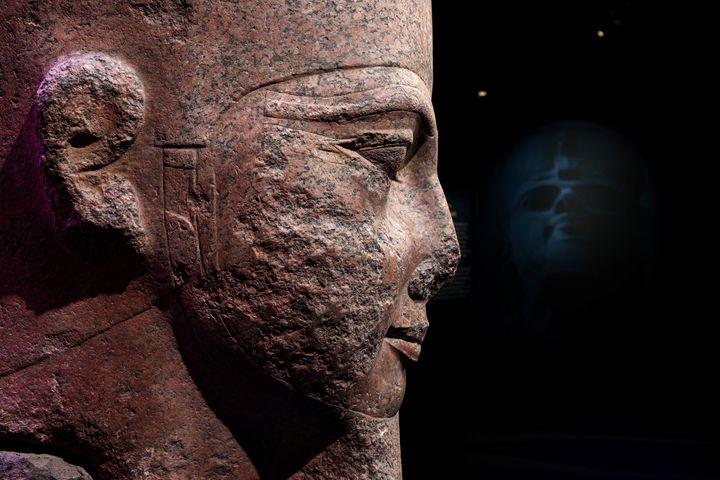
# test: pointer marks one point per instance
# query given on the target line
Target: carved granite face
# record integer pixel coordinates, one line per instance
(202, 196)
(333, 234)
(299, 214)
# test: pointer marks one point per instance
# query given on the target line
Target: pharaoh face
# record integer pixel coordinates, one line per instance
(334, 233)
(298, 213)
(574, 197)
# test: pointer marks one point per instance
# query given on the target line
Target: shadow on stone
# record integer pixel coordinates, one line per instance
(279, 429)
(46, 268)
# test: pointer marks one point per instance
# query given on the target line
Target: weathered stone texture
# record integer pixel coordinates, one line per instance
(220, 222)
(29, 466)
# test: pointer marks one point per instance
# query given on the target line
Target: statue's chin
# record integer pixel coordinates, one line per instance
(378, 394)
(381, 393)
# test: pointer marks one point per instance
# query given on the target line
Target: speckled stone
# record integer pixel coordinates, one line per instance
(30, 466)
(220, 224)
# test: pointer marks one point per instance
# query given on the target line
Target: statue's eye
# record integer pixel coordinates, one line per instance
(390, 151)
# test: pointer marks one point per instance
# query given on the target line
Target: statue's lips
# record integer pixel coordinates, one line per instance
(410, 349)
(408, 331)
(568, 228)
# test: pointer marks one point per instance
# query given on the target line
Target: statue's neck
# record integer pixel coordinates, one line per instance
(192, 418)
(286, 434)
(369, 449)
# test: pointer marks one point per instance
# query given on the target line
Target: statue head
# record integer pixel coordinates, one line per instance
(572, 245)
(577, 201)
(270, 166)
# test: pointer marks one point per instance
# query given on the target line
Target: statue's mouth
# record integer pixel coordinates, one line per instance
(407, 331)
(406, 340)
(411, 350)
(568, 228)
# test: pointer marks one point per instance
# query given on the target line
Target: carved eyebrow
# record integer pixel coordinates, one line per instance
(391, 98)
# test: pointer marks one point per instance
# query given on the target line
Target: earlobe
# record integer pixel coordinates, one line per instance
(90, 107)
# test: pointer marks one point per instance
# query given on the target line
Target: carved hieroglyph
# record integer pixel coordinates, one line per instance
(220, 224)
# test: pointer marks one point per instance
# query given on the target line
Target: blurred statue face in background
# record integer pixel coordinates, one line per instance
(577, 200)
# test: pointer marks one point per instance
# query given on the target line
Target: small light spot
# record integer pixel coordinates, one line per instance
(600, 34)
(482, 93)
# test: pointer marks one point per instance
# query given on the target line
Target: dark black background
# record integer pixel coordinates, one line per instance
(646, 407)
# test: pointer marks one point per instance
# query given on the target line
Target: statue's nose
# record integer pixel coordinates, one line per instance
(568, 202)
(434, 272)
(444, 252)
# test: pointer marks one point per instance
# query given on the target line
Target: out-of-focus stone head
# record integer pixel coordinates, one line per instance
(272, 163)
(578, 203)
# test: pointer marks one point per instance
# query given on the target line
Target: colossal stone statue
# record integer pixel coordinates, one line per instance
(220, 222)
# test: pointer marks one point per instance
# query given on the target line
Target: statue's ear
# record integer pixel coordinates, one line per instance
(90, 107)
